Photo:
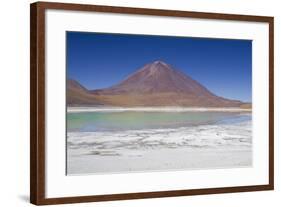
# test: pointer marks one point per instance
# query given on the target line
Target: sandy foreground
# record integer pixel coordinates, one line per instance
(186, 148)
(152, 109)
(161, 160)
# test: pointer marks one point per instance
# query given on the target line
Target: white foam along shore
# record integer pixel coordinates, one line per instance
(152, 109)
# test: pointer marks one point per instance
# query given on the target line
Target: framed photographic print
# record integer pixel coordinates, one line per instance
(130, 103)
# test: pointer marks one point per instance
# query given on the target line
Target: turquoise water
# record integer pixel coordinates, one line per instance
(113, 121)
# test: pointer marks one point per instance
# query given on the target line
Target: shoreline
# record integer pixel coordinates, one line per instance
(186, 148)
(154, 109)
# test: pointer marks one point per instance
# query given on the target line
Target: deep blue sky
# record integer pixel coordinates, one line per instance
(99, 60)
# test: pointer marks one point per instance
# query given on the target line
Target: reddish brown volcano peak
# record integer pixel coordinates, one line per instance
(155, 84)
(157, 77)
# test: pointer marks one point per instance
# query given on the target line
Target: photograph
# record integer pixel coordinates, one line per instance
(137, 102)
(142, 103)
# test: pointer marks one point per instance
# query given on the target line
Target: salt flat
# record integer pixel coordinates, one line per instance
(153, 109)
(196, 147)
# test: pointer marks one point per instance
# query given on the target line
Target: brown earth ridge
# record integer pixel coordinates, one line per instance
(155, 84)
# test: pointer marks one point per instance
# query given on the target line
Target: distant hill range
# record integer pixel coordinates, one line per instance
(155, 84)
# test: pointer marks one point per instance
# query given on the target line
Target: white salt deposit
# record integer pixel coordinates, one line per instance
(196, 147)
(153, 109)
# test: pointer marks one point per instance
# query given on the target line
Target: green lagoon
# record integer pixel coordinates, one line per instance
(134, 120)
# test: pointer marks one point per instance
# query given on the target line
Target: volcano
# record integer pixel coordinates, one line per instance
(155, 84)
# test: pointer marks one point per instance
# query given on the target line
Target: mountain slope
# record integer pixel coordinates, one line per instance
(155, 84)
(157, 77)
(77, 95)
